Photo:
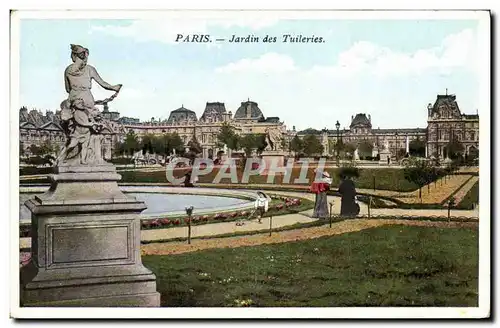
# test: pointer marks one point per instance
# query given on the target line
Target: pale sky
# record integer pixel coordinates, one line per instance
(390, 69)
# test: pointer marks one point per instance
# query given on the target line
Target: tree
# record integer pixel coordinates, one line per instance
(417, 147)
(35, 150)
(21, 149)
(194, 145)
(248, 143)
(159, 144)
(472, 156)
(454, 148)
(312, 145)
(131, 143)
(296, 145)
(365, 148)
(175, 142)
(227, 136)
(119, 149)
(349, 171)
(419, 172)
(146, 143)
(285, 144)
(349, 148)
(401, 153)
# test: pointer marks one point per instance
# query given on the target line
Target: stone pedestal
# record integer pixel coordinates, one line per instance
(86, 244)
(272, 157)
(384, 155)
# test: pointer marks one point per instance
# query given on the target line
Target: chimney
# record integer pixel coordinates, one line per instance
(352, 117)
(369, 118)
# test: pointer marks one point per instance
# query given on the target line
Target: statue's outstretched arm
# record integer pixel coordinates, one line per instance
(100, 81)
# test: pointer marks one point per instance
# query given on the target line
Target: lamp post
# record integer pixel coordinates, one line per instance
(189, 212)
(396, 146)
(337, 126)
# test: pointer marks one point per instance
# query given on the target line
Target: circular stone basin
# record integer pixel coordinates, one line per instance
(164, 202)
(159, 203)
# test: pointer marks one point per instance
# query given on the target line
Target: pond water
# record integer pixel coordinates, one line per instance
(159, 203)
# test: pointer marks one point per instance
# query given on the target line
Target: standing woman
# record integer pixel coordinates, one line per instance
(347, 191)
(320, 188)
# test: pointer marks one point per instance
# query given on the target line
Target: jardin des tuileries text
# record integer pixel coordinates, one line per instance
(250, 38)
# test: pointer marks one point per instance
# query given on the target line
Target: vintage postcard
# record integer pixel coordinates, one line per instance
(250, 164)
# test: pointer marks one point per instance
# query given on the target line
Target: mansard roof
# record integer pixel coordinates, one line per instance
(361, 120)
(181, 114)
(445, 106)
(213, 111)
(248, 110)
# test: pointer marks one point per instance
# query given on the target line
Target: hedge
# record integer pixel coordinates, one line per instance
(33, 170)
(384, 178)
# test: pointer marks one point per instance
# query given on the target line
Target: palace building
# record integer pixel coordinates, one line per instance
(445, 122)
(247, 119)
(35, 128)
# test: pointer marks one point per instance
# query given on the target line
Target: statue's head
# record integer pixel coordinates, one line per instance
(79, 53)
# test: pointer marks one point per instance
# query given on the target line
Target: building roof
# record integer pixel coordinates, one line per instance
(399, 131)
(274, 119)
(361, 120)
(444, 103)
(181, 115)
(309, 131)
(213, 111)
(248, 110)
(471, 116)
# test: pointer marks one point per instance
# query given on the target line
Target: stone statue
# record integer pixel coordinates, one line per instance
(356, 154)
(386, 145)
(80, 120)
(273, 138)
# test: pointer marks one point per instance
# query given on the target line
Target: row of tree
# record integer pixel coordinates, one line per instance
(248, 142)
(164, 144)
(423, 172)
(45, 148)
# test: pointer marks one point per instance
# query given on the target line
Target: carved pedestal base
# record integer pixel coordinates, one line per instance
(86, 244)
(272, 158)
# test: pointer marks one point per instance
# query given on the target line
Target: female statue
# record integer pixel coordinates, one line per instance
(81, 121)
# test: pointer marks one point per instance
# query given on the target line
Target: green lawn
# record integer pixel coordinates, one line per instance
(386, 266)
(472, 197)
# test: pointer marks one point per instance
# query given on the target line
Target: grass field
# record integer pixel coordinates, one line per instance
(472, 197)
(386, 266)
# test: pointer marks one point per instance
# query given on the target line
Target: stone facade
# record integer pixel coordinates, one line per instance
(208, 126)
(361, 129)
(445, 122)
(35, 128)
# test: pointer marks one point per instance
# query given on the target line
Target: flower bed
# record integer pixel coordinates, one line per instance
(279, 206)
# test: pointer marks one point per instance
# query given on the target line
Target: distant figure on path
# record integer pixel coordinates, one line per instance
(320, 188)
(347, 190)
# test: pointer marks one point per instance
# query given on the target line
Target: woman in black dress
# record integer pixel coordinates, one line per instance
(347, 190)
